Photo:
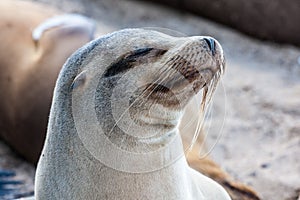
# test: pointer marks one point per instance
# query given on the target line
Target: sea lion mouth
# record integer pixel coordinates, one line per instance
(161, 94)
(188, 74)
(197, 59)
(187, 71)
(186, 78)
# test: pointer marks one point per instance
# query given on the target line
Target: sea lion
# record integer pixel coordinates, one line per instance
(113, 127)
(33, 62)
(35, 41)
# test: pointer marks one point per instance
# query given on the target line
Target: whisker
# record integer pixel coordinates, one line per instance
(207, 94)
(164, 71)
(143, 93)
(220, 132)
(206, 113)
(206, 100)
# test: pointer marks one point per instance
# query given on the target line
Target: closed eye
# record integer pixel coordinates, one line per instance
(129, 60)
(138, 53)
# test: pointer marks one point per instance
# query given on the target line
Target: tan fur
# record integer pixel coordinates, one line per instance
(28, 71)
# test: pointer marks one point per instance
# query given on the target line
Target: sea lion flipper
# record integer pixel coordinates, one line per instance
(74, 21)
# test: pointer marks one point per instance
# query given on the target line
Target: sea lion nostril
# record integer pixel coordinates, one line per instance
(211, 44)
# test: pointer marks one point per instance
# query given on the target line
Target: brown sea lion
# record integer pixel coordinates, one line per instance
(35, 41)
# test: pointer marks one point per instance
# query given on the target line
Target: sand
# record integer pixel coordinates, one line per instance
(255, 119)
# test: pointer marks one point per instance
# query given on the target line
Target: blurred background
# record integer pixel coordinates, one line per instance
(260, 143)
(275, 21)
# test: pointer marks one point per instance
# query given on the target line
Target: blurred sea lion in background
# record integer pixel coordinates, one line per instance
(35, 41)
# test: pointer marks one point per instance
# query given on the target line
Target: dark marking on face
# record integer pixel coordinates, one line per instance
(159, 88)
(185, 68)
(133, 58)
(161, 95)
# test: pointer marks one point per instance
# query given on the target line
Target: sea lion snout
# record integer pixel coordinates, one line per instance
(196, 61)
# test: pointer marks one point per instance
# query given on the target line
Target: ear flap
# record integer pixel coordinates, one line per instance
(79, 80)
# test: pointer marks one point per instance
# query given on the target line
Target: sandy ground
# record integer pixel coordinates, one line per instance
(259, 143)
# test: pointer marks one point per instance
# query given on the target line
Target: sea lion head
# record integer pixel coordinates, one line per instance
(128, 89)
